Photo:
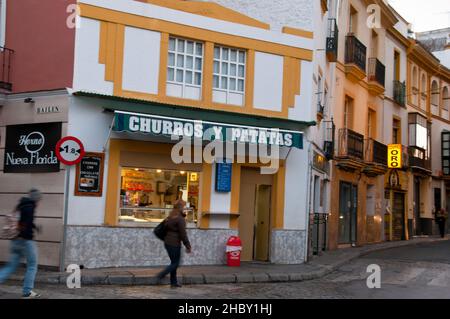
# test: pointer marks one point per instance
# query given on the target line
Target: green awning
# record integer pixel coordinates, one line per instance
(210, 118)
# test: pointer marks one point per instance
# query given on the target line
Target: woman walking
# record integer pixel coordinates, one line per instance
(176, 234)
(441, 219)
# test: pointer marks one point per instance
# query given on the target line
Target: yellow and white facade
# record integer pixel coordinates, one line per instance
(192, 61)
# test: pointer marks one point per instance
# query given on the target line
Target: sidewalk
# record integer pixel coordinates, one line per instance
(247, 273)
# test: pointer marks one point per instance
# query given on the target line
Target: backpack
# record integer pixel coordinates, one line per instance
(10, 228)
(160, 231)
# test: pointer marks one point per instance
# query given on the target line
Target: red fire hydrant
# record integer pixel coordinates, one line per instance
(233, 250)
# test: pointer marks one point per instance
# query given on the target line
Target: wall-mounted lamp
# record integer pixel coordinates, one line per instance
(28, 100)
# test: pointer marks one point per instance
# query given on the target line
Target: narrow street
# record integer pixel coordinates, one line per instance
(419, 271)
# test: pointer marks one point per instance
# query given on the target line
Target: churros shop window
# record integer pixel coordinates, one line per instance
(147, 195)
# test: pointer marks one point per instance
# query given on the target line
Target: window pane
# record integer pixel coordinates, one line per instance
(189, 77)
(224, 82)
(216, 53)
(170, 74)
(233, 55)
(233, 69)
(241, 85)
(189, 62)
(180, 76)
(180, 45)
(180, 60)
(446, 144)
(171, 61)
(199, 49)
(198, 64)
(216, 81)
(241, 71)
(224, 54)
(233, 84)
(172, 44)
(445, 153)
(446, 137)
(216, 67)
(241, 57)
(224, 68)
(198, 78)
(190, 47)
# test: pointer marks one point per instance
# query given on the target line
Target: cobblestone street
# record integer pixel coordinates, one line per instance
(419, 271)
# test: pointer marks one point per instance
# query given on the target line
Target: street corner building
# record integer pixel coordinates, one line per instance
(135, 74)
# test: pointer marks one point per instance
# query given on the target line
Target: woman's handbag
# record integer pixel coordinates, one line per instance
(160, 231)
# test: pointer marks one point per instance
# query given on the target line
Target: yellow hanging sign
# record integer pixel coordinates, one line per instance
(395, 156)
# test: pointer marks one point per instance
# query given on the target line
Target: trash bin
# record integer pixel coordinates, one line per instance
(233, 250)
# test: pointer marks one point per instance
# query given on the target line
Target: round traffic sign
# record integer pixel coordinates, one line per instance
(69, 150)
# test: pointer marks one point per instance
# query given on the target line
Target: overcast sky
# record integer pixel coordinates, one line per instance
(425, 15)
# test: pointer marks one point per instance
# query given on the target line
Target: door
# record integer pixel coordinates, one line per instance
(416, 222)
(262, 222)
(348, 207)
(254, 220)
(398, 213)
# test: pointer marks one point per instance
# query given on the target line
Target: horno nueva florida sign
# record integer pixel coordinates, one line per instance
(207, 131)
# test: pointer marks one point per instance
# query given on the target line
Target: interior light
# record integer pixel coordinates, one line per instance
(182, 172)
(158, 171)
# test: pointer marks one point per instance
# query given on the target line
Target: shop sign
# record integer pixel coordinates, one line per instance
(223, 177)
(395, 156)
(30, 148)
(89, 175)
(207, 131)
(48, 109)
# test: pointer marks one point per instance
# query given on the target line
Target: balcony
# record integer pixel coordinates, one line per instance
(332, 40)
(376, 76)
(418, 160)
(399, 93)
(355, 59)
(5, 68)
(351, 150)
(376, 158)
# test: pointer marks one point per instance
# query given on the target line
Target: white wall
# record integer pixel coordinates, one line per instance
(296, 189)
(90, 124)
(268, 89)
(303, 102)
(89, 74)
(141, 60)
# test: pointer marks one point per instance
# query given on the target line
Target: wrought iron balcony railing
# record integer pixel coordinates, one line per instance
(332, 40)
(399, 92)
(5, 68)
(376, 152)
(377, 71)
(351, 144)
(355, 52)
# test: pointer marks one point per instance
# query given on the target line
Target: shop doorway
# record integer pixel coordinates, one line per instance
(398, 213)
(348, 207)
(255, 212)
(416, 222)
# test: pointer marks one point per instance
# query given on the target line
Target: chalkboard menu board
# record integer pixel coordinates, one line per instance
(223, 177)
(89, 178)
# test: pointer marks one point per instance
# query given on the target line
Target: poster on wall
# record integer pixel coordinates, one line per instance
(30, 148)
(89, 175)
(223, 177)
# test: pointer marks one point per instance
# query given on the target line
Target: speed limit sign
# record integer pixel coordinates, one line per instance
(69, 150)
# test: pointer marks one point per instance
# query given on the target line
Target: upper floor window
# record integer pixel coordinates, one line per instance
(445, 99)
(348, 113)
(184, 68)
(229, 75)
(2, 22)
(396, 131)
(353, 21)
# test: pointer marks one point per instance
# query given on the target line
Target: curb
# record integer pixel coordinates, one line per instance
(245, 277)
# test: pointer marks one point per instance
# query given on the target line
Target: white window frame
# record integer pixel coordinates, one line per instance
(219, 75)
(182, 66)
(2, 22)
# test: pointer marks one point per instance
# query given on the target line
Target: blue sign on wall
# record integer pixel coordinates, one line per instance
(223, 177)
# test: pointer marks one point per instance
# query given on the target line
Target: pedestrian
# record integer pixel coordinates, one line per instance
(176, 234)
(23, 245)
(441, 219)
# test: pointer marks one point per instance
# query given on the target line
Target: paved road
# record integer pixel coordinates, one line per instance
(421, 271)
